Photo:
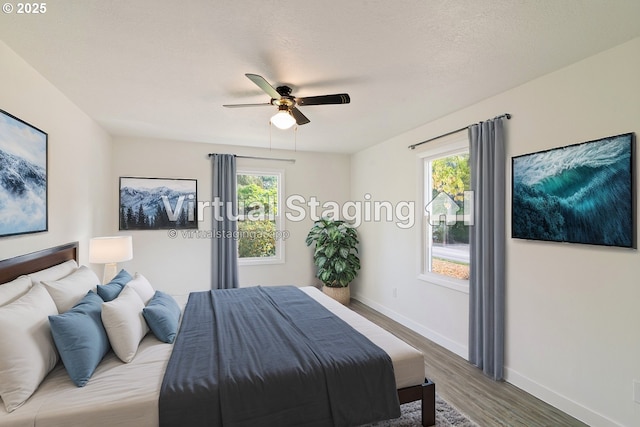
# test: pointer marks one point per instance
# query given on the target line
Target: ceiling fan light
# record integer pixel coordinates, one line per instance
(283, 119)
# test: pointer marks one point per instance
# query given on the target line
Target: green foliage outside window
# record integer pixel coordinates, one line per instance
(257, 239)
(257, 207)
(451, 175)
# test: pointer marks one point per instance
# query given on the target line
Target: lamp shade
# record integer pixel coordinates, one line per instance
(105, 250)
(283, 119)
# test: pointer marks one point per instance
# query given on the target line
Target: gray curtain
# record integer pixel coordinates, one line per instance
(487, 250)
(224, 263)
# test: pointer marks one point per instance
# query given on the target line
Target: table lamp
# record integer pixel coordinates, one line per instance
(110, 251)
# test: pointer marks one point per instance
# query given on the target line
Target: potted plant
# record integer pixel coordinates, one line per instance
(335, 256)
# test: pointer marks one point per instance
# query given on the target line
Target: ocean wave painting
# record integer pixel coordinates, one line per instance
(23, 177)
(581, 193)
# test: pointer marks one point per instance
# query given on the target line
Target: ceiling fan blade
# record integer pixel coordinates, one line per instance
(339, 98)
(264, 85)
(246, 105)
(301, 119)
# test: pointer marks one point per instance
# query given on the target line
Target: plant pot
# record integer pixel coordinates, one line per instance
(342, 295)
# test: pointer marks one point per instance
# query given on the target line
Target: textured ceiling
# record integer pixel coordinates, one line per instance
(160, 68)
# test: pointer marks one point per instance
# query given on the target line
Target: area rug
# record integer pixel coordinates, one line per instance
(446, 416)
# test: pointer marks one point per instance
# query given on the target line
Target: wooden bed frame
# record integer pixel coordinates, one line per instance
(427, 394)
(14, 267)
(24, 264)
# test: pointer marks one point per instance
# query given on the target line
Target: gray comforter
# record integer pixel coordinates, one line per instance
(272, 357)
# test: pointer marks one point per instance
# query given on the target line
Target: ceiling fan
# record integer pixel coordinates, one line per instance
(288, 112)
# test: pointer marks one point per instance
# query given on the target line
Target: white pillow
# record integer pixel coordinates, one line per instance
(27, 350)
(125, 325)
(69, 290)
(141, 285)
(14, 289)
(54, 273)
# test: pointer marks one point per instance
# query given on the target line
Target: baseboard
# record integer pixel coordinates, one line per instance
(561, 402)
(445, 342)
(543, 393)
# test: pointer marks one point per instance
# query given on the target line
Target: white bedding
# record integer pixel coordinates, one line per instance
(126, 394)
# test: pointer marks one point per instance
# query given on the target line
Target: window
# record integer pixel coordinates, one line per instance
(447, 203)
(259, 220)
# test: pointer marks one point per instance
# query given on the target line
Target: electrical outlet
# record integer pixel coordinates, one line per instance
(395, 292)
(636, 391)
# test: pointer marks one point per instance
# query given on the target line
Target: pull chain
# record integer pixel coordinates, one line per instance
(295, 136)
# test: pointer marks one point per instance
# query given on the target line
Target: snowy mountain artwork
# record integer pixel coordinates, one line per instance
(581, 193)
(158, 204)
(23, 177)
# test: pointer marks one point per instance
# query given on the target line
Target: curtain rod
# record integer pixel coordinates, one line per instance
(259, 158)
(413, 147)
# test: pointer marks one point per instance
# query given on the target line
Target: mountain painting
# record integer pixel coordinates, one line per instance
(581, 193)
(23, 177)
(158, 204)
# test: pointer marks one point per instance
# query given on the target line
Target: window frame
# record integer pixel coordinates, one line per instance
(449, 148)
(279, 257)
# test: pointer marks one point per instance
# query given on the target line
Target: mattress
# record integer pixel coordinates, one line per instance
(127, 394)
(408, 363)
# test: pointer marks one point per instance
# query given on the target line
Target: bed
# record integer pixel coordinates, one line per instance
(127, 394)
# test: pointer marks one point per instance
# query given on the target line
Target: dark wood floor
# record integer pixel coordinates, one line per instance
(486, 402)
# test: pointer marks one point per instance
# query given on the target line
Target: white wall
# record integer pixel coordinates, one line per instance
(183, 264)
(390, 254)
(79, 159)
(572, 310)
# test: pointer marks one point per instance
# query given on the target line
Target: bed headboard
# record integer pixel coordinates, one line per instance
(24, 264)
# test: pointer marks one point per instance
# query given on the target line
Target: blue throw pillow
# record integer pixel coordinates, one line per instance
(80, 338)
(162, 315)
(111, 290)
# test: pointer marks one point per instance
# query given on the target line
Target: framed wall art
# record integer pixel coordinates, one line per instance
(582, 193)
(23, 177)
(158, 203)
